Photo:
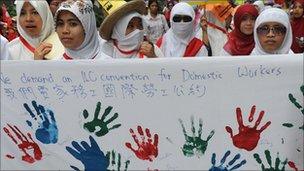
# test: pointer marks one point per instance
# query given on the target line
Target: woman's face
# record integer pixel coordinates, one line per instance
(69, 30)
(297, 10)
(154, 8)
(135, 23)
(30, 20)
(54, 5)
(271, 36)
(247, 24)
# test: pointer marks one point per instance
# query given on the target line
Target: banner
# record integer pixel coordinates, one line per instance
(219, 113)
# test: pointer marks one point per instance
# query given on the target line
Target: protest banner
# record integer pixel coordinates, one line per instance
(241, 113)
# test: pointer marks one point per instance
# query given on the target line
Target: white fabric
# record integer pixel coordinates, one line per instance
(156, 27)
(128, 42)
(260, 5)
(177, 38)
(273, 15)
(4, 49)
(90, 47)
(217, 38)
(16, 49)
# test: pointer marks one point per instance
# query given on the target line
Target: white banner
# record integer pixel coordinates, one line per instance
(243, 113)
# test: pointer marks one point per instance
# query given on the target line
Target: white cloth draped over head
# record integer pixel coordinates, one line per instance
(130, 42)
(273, 15)
(260, 5)
(83, 10)
(17, 50)
(176, 39)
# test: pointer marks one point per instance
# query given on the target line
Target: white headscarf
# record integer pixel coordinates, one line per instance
(83, 10)
(180, 34)
(45, 13)
(260, 5)
(273, 15)
(130, 42)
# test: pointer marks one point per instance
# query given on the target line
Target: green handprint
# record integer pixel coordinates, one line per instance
(116, 162)
(101, 123)
(269, 161)
(194, 144)
(298, 105)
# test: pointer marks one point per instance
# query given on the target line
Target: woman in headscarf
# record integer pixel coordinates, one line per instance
(240, 40)
(76, 28)
(180, 40)
(123, 31)
(34, 24)
(272, 33)
(297, 24)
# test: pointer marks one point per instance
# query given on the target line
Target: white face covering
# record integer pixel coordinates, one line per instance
(130, 42)
(182, 29)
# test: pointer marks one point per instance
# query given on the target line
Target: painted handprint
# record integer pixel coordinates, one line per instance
(269, 161)
(26, 145)
(146, 149)
(91, 157)
(293, 165)
(294, 101)
(195, 145)
(115, 161)
(223, 167)
(96, 123)
(248, 137)
(46, 131)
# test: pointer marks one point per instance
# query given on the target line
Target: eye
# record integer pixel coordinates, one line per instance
(35, 13)
(73, 24)
(59, 23)
(22, 12)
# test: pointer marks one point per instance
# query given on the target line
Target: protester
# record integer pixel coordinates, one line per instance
(156, 22)
(34, 24)
(297, 24)
(180, 40)
(123, 30)
(167, 10)
(54, 5)
(272, 33)
(219, 20)
(76, 28)
(4, 49)
(240, 40)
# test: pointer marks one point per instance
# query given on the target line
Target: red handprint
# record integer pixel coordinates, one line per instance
(25, 144)
(293, 165)
(247, 138)
(146, 150)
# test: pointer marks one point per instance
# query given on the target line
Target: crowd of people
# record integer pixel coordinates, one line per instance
(138, 29)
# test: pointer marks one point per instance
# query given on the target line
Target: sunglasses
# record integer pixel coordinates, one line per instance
(179, 18)
(276, 30)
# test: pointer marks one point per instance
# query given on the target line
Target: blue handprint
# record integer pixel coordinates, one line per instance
(91, 157)
(222, 167)
(47, 131)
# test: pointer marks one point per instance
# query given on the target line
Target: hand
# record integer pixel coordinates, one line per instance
(26, 145)
(42, 50)
(247, 138)
(194, 144)
(145, 150)
(147, 49)
(101, 123)
(116, 161)
(91, 157)
(268, 157)
(223, 167)
(204, 23)
(46, 129)
(297, 104)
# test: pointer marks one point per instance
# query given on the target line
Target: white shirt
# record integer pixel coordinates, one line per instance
(156, 27)
(4, 48)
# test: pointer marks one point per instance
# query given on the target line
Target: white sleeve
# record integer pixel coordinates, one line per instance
(4, 49)
(224, 53)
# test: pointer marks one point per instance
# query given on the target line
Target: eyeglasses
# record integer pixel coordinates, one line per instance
(179, 18)
(276, 30)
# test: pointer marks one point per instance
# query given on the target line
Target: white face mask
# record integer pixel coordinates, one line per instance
(132, 41)
(182, 29)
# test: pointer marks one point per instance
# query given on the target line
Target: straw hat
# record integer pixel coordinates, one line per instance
(222, 11)
(116, 10)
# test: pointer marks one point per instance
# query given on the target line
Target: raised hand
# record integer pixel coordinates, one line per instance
(91, 157)
(30, 149)
(195, 145)
(248, 137)
(223, 167)
(46, 129)
(100, 123)
(115, 162)
(146, 149)
(269, 161)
